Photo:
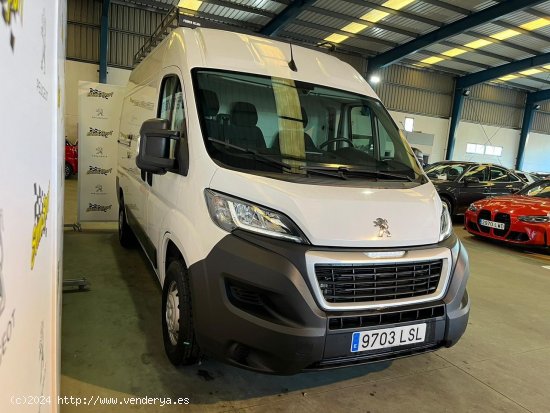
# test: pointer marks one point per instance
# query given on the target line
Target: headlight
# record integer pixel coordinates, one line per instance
(538, 219)
(230, 213)
(473, 208)
(446, 224)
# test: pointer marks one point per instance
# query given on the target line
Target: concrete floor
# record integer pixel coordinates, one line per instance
(112, 346)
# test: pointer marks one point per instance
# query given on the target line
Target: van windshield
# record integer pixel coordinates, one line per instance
(268, 124)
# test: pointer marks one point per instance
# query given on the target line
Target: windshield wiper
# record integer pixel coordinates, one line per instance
(258, 156)
(342, 172)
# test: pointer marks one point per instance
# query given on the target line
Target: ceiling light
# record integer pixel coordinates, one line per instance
(397, 4)
(374, 15)
(190, 4)
(476, 44)
(374, 79)
(535, 24)
(454, 52)
(432, 60)
(506, 34)
(354, 27)
(466, 92)
(336, 38)
(530, 72)
(536, 107)
(508, 77)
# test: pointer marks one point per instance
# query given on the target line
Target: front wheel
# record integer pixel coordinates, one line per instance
(177, 316)
(68, 170)
(447, 202)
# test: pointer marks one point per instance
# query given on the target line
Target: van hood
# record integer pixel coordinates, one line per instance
(342, 216)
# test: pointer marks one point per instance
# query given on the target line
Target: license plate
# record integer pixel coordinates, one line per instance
(491, 224)
(388, 337)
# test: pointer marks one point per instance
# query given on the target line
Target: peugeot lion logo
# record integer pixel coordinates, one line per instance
(384, 227)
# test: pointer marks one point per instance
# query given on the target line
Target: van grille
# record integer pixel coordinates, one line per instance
(357, 283)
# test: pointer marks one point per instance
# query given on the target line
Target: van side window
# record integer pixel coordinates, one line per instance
(171, 106)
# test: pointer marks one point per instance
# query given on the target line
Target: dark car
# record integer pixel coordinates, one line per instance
(71, 159)
(461, 183)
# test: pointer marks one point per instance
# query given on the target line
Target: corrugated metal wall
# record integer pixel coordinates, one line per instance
(494, 105)
(541, 122)
(128, 29)
(410, 90)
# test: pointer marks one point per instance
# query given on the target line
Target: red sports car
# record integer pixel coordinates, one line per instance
(522, 218)
(71, 158)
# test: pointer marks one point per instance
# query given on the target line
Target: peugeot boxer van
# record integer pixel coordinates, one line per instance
(287, 219)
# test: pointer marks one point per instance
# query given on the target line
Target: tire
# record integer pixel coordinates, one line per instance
(68, 170)
(449, 204)
(126, 236)
(177, 317)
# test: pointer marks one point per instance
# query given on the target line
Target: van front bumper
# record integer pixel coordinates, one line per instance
(254, 307)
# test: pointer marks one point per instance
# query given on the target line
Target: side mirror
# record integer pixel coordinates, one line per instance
(154, 146)
(471, 180)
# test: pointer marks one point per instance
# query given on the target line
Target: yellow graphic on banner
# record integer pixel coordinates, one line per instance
(41, 207)
(10, 8)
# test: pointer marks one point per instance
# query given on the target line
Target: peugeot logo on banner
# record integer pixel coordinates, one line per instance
(383, 227)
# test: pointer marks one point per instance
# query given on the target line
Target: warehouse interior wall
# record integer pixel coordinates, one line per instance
(480, 134)
(439, 127)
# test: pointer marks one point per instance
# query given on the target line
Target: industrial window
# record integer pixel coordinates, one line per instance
(493, 150)
(475, 148)
(409, 124)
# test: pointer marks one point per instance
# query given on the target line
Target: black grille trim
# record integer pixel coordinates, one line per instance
(484, 214)
(386, 318)
(375, 282)
(503, 219)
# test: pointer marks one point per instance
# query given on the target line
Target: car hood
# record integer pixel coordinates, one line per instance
(517, 205)
(343, 216)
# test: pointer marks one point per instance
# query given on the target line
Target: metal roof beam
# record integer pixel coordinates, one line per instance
(447, 6)
(540, 96)
(487, 15)
(283, 18)
(503, 70)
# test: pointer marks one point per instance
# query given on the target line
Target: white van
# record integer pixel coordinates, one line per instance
(286, 217)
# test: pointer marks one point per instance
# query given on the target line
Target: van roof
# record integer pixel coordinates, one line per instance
(247, 53)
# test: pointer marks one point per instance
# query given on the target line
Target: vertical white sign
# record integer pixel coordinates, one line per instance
(31, 204)
(99, 108)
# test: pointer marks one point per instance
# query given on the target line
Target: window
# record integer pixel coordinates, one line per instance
(475, 148)
(409, 124)
(500, 175)
(171, 107)
(480, 172)
(273, 121)
(493, 150)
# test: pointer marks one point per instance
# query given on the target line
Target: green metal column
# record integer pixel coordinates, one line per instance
(103, 41)
(528, 116)
(456, 115)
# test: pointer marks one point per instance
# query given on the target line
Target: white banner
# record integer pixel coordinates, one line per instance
(31, 203)
(99, 107)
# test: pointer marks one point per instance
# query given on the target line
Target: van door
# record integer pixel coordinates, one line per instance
(165, 189)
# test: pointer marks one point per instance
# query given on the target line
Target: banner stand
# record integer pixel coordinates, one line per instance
(99, 107)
